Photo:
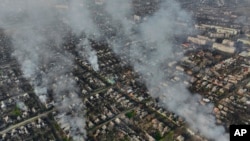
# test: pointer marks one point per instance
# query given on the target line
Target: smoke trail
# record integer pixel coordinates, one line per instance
(80, 20)
(39, 28)
(85, 51)
(120, 18)
(148, 59)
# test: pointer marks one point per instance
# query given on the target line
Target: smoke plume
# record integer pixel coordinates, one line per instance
(39, 27)
(149, 57)
(85, 51)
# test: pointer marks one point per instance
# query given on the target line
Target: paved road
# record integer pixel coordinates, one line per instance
(25, 122)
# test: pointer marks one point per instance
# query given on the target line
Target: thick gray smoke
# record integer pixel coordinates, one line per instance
(38, 28)
(148, 58)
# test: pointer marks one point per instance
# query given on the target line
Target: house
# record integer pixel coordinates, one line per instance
(198, 41)
(223, 48)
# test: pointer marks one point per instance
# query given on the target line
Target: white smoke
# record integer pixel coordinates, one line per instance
(85, 50)
(122, 17)
(79, 18)
(38, 30)
(148, 59)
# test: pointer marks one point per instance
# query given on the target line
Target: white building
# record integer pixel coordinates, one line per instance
(223, 48)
